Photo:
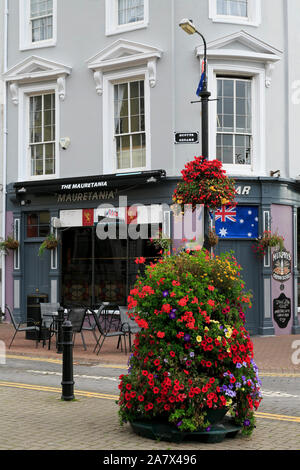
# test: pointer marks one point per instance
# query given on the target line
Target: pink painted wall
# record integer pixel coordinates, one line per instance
(282, 223)
(9, 266)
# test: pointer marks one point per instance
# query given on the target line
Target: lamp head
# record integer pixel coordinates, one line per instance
(187, 26)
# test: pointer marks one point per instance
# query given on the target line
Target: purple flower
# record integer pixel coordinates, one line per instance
(208, 429)
(246, 422)
(187, 337)
(179, 424)
(192, 354)
(238, 365)
(165, 293)
(172, 315)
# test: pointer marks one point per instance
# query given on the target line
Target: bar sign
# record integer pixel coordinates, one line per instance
(186, 137)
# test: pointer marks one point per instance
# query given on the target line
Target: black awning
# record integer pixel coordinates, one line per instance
(89, 183)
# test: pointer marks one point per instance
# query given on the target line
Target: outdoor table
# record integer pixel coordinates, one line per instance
(56, 326)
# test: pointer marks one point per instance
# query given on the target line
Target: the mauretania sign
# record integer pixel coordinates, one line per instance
(76, 186)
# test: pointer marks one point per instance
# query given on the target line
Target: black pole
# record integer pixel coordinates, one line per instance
(67, 371)
(60, 320)
(205, 95)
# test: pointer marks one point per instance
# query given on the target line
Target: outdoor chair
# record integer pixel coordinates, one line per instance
(128, 325)
(76, 316)
(92, 325)
(19, 327)
(107, 334)
(47, 321)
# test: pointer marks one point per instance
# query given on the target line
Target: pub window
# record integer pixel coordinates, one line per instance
(42, 134)
(234, 121)
(126, 15)
(129, 117)
(41, 19)
(37, 23)
(38, 224)
(236, 11)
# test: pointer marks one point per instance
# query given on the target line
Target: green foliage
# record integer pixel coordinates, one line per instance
(49, 243)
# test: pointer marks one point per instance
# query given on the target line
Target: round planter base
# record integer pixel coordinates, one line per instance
(165, 432)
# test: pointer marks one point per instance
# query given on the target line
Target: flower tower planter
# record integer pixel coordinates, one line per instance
(192, 362)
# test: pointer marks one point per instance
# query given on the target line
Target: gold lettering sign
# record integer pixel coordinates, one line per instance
(68, 198)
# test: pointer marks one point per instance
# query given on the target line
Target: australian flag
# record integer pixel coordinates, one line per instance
(200, 86)
(237, 222)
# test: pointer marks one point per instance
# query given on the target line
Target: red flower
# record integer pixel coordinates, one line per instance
(161, 334)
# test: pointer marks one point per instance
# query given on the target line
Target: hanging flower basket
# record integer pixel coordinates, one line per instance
(9, 244)
(268, 240)
(213, 238)
(204, 182)
(50, 243)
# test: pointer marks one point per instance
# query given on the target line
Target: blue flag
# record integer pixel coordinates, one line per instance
(200, 86)
(237, 222)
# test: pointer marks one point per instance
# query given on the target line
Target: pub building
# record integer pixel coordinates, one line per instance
(87, 270)
(83, 269)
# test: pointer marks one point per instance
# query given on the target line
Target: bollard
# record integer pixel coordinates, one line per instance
(60, 320)
(67, 371)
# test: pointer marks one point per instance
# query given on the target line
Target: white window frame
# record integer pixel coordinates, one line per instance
(258, 163)
(253, 18)
(109, 145)
(25, 31)
(234, 132)
(24, 158)
(111, 19)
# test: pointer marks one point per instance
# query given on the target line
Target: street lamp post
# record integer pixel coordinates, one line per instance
(204, 94)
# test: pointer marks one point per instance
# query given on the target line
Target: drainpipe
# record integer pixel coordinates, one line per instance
(4, 150)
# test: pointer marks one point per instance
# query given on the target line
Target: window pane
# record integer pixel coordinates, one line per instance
(130, 11)
(37, 160)
(232, 7)
(50, 159)
(41, 7)
(130, 120)
(228, 88)
(123, 152)
(32, 226)
(242, 150)
(138, 151)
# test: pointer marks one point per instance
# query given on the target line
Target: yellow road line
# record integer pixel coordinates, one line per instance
(294, 419)
(29, 358)
(59, 361)
(41, 388)
(278, 374)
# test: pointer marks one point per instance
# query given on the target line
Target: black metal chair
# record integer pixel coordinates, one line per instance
(19, 328)
(92, 325)
(128, 325)
(47, 319)
(76, 316)
(107, 334)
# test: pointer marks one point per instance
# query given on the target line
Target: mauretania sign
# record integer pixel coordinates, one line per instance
(86, 196)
